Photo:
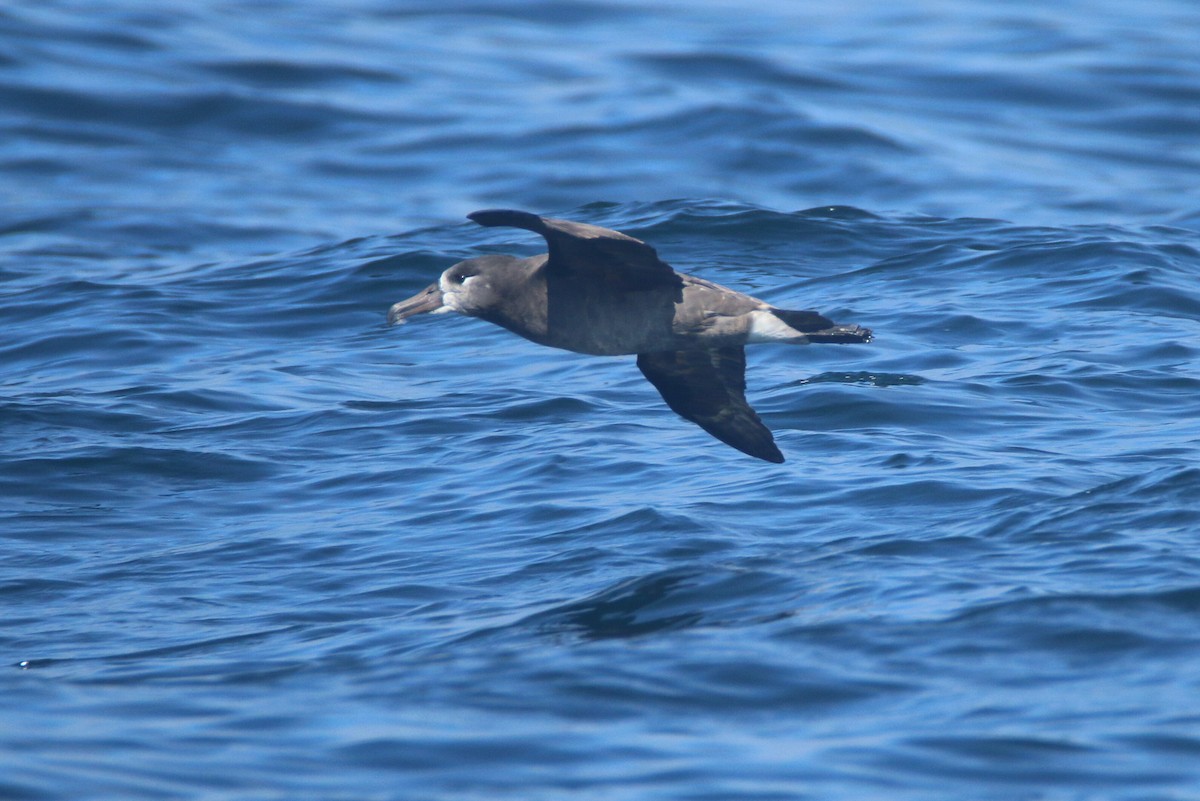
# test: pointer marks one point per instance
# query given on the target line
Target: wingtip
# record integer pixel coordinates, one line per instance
(767, 451)
(760, 446)
(507, 218)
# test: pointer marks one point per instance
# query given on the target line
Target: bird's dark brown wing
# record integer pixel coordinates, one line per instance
(589, 252)
(708, 387)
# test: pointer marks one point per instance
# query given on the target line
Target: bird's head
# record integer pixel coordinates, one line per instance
(468, 287)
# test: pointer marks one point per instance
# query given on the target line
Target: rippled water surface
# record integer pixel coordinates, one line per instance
(257, 545)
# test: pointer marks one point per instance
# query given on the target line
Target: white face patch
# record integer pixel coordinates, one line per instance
(449, 295)
(454, 294)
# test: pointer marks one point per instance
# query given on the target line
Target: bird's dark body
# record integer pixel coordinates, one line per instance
(614, 321)
(603, 293)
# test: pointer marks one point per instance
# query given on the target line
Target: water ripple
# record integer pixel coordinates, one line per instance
(245, 520)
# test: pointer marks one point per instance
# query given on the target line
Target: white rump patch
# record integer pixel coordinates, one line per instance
(766, 327)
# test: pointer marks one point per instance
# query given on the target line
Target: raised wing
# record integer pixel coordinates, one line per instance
(708, 387)
(588, 252)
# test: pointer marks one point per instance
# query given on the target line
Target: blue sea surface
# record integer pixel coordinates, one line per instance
(257, 545)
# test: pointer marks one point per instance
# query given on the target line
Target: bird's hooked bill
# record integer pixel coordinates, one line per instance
(428, 299)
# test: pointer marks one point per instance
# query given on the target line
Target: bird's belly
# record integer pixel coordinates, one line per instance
(610, 326)
(616, 324)
(637, 337)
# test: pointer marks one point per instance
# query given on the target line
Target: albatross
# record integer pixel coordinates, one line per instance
(604, 293)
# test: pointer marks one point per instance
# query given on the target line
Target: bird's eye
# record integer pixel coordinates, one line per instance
(463, 278)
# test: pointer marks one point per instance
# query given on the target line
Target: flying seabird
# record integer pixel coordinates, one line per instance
(603, 293)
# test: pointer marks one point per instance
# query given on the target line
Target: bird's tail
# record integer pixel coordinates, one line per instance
(818, 328)
(842, 335)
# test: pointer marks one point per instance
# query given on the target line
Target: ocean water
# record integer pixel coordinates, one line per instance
(255, 544)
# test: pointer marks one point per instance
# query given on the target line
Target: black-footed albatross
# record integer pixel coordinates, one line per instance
(603, 293)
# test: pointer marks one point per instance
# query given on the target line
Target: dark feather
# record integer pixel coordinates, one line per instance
(804, 321)
(589, 251)
(708, 387)
(841, 335)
